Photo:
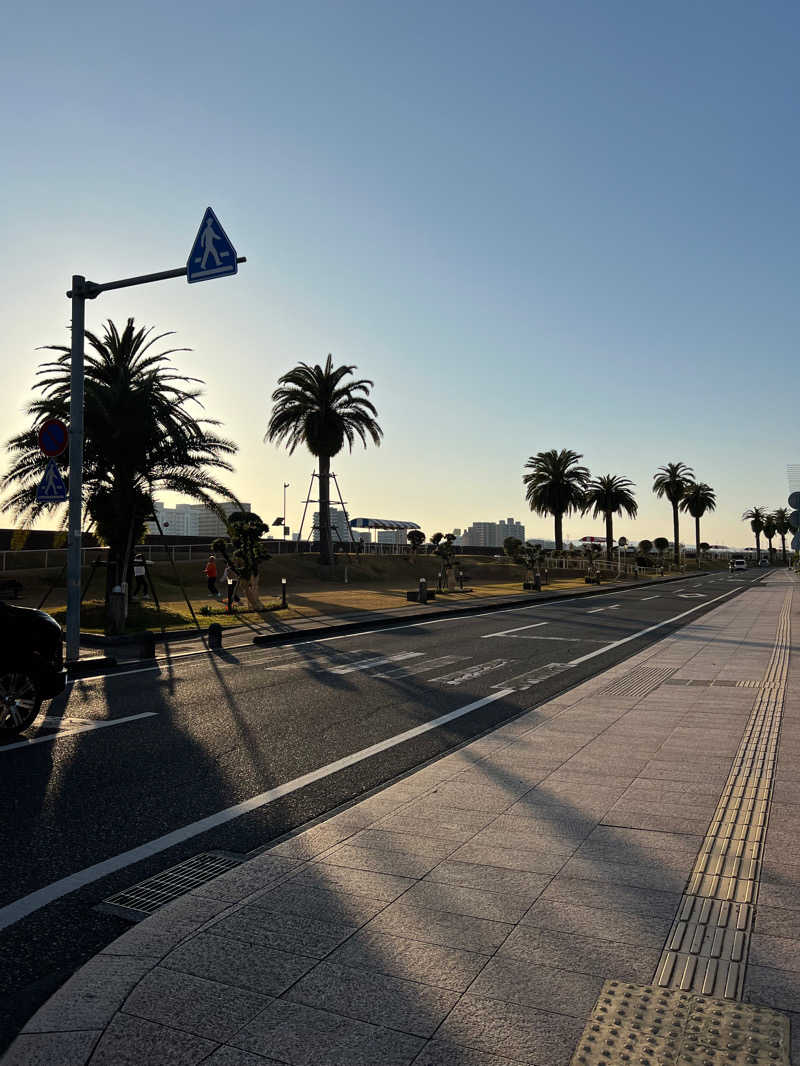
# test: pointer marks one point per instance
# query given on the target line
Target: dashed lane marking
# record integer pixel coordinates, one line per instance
(518, 629)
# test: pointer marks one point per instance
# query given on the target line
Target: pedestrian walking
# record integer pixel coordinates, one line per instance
(231, 577)
(211, 574)
(140, 577)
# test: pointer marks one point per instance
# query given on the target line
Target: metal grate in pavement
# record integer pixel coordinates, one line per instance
(650, 1026)
(707, 947)
(144, 899)
(638, 682)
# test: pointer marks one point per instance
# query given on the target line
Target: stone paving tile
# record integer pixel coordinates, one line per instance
(493, 777)
(779, 952)
(387, 862)
(631, 855)
(533, 860)
(409, 1006)
(448, 823)
(130, 1041)
(782, 896)
(327, 905)
(231, 1056)
(672, 803)
(293, 933)
(242, 881)
(167, 928)
(557, 821)
(592, 921)
(411, 960)
(520, 883)
(91, 996)
(582, 954)
(475, 902)
(769, 987)
(545, 987)
(302, 1036)
(323, 875)
(464, 796)
(313, 841)
(437, 1053)
(531, 837)
(51, 1049)
(412, 844)
(662, 823)
(774, 921)
(441, 927)
(193, 1004)
(618, 897)
(521, 1033)
(654, 875)
(648, 840)
(251, 966)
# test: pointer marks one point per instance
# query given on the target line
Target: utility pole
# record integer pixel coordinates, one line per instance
(285, 487)
(212, 256)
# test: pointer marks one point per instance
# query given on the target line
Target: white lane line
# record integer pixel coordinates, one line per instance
(596, 610)
(650, 598)
(74, 730)
(505, 632)
(421, 668)
(13, 912)
(469, 673)
(367, 664)
(650, 629)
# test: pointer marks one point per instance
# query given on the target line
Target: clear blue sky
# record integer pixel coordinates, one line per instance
(534, 225)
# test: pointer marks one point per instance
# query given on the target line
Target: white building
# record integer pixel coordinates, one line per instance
(492, 534)
(339, 528)
(192, 519)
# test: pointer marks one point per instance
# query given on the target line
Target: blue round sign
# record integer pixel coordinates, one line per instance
(53, 437)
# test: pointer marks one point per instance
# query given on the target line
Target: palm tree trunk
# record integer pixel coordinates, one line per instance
(325, 536)
(676, 534)
(559, 533)
(697, 538)
(758, 547)
(609, 534)
(783, 546)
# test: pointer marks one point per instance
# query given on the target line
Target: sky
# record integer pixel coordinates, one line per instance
(532, 225)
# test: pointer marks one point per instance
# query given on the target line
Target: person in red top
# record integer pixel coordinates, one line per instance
(211, 573)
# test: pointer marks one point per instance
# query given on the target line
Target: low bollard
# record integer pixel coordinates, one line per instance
(215, 636)
(283, 592)
(423, 590)
(147, 645)
(537, 582)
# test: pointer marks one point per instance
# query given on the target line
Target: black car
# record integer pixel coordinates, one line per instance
(31, 665)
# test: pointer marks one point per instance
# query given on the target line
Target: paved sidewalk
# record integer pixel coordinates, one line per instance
(510, 901)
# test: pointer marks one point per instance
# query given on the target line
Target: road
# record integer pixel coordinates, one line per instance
(130, 758)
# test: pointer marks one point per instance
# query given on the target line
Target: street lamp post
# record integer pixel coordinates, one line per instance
(285, 487)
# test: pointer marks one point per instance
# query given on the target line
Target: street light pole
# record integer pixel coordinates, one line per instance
(285, 487)
(78, 295)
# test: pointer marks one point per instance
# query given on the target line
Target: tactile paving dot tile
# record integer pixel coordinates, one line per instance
(643, 1025)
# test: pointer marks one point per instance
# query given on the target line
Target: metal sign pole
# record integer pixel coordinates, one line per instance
(75, 470)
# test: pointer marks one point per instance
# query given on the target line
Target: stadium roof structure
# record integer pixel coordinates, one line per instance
(381, 523)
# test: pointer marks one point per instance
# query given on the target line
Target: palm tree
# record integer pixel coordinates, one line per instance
(661, 544)
(644, 547)
(697, 499)
(783, 527)
(672, 481)
(555, 485)
(769, 533)
(140, 436)
(756, 516)
(609, 495)
(316, 407)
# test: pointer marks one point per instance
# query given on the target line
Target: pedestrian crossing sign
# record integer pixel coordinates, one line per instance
(212, 254)
(51, 488)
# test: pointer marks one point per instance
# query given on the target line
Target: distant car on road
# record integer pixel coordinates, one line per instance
(764, 561)
(738, 562)
(31, 665)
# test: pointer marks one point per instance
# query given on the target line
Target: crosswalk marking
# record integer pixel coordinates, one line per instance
(421, 668)
(471, 672)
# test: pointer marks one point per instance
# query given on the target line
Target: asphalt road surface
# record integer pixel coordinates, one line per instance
(189, 739)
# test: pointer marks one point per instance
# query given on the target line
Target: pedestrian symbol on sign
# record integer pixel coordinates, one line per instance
(212, 254)
(51, 488)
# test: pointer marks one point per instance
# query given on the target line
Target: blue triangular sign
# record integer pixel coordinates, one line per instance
(212, 254)
(51, 488)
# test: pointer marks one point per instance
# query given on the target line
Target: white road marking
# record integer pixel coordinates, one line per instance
(650, 598)
(74, 730)
(13, 912)
(367, 664)
(421, 668)
(471, 672)
(596, 610)
(505, 632)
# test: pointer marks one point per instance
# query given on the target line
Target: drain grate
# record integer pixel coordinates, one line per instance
(650, 1026)
(144, 899)
(638, 682)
